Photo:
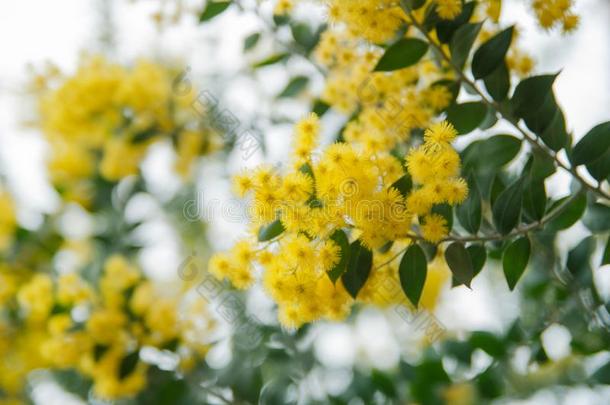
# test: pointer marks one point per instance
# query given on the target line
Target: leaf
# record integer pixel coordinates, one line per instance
(497, 83)
(404, 53)
(268, 232)
(534, 198)
(531, 93)
(507, 207)
(606, 256)
(340, 238)
(320, 108)
(489, 343)
(597, 218)
(555, 135)
(403, 185)
(570, 215)
(580, 256)
(446, 30)
(600, 168)
(466, 117)
(515, 259)
(491, 54)
(413, 270)
(478, 256)
(212, 9)
(459, 261)
(592, 146)
(461, 43)
(358, 268)
(294, 87)
(503, 148)
(445, 211)
(469, 212)
(251, 41)
(602, 375)
(278, 57)
(128, 364)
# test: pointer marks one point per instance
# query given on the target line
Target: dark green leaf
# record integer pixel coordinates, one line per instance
(340, 238)
(358, 268)
(320, 108)
(534, 199)
(128, 364)
(602, 375)
(469, 212)
(507, 207)
(597, 218)
(568, 216)
(555, 135)
(462, 42)
(445, 211)
(404, 185)
(593, 145)
(251, 41)
(531, 94)
(498, 82)
(606, 256)
(412, 271)
(600, 168)
(503, 148)
(459, 261)
(446, 30)
(404, 53)
(466, 117)
(212, 9)
(491, 54)
(268, 232)
(478, 256)
(294, 87)
(580, 256)
(489, 343)
(515, 259)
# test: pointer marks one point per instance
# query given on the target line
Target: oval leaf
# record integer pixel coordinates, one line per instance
(461, 43)
(507, 207)
(340, 238)
(212, 9)
(469, 212)
(466, 117)
(412, 271)
(358, 268)
(491, 54)
(404, 53)
(268, 232)
(459, 261)
(515, 259)
(593, 145)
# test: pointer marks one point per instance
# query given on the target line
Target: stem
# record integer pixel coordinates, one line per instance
(533, 140)
(522, 230)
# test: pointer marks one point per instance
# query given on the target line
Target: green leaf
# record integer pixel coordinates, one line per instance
(534, 199)
(555, 135)
(600, 168)
(489, 343)
(212, 9)
(497, 83)
(268, 232)
(491, 54)
(358, 268)
(602, 375)
(597, 218)
(447, 29)
(404, 185)
(570, 215)
(478, 256)
(340, 238)
(579, 258)
(515, 259)
(507, 207)
(278, 57)
(469, 212)
(320, 108)
(503, 148)
(592, 146)
(128, 364)
(294, 87)
(466, 117)
(404, 53)
(461, 43)
(606, 256)
(445, 211)
(459, 261)
(531, 94)
(251, 41)
(412, 271)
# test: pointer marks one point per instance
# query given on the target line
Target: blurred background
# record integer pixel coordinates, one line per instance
(36, 32)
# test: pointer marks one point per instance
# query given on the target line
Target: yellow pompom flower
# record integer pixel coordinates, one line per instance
(448, 9)
(434, 228)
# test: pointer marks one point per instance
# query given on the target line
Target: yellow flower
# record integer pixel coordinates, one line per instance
(448, 9)
(434, 228)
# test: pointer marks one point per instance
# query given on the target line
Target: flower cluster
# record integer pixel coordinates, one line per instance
(101, 121)
(342, 190)
(8, 222)
(66, 322)
(553, 13)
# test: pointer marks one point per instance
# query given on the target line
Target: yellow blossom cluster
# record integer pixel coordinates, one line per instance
(65, 322)
(8, 222)
(343, 189)
(553, 13)
(101, 120)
